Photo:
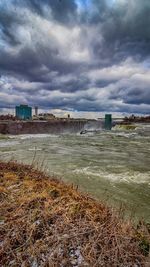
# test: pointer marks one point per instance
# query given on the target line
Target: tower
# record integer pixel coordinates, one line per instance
(36, 111)
(108, 121)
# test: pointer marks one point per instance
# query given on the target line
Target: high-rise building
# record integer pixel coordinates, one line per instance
(23, 112)
(36, 111)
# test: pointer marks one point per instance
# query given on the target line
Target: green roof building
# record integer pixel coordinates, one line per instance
(23, 112)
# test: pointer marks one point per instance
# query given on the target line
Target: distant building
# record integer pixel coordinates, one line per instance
(7, 117)
(46, 116)
(23, 112)
(36, 111)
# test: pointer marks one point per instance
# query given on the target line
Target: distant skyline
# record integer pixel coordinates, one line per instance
(83, 57)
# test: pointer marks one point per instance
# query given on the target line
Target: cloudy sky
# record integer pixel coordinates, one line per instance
(76, 56)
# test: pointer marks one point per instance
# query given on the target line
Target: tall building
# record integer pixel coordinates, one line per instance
(23, 112)
(36, 111)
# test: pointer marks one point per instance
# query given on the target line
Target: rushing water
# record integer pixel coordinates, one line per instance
(114, 166)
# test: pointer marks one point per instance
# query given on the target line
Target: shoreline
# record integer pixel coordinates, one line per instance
(44, 221)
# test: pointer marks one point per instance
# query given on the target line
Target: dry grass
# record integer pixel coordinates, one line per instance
(44, 222)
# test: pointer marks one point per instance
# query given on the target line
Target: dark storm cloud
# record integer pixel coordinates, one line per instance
(75, 56)
(134, 96)
(137, 96)
(63, 11)
(28, 60)
(124, 27)
(7, 21)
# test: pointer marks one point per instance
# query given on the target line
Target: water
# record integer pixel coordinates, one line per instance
(112, 166)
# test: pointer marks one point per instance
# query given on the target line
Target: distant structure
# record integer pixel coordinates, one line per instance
(108, 121)
(46, 116)
(36, 111)
(7, 117)
(23, 112)
(68, 116)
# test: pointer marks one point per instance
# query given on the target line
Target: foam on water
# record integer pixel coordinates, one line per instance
(125, 134)
(30, 136)
(128, 177)
(8, 143)
(35, 149)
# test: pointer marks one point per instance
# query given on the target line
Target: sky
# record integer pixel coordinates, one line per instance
(83, 57)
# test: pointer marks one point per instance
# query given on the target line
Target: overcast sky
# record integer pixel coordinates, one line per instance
(75, 56)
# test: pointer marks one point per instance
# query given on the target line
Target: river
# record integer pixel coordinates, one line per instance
(110, 165)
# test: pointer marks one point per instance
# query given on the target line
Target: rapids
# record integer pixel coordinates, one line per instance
(112, 166)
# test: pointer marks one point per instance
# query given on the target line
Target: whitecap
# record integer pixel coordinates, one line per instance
(8, 143)
(34, 149)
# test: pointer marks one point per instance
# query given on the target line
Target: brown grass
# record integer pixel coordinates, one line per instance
(44, 222)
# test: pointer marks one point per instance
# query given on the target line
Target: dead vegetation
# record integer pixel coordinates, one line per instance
(44, 222)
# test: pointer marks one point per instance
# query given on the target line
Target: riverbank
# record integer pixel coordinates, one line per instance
(45, 222)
